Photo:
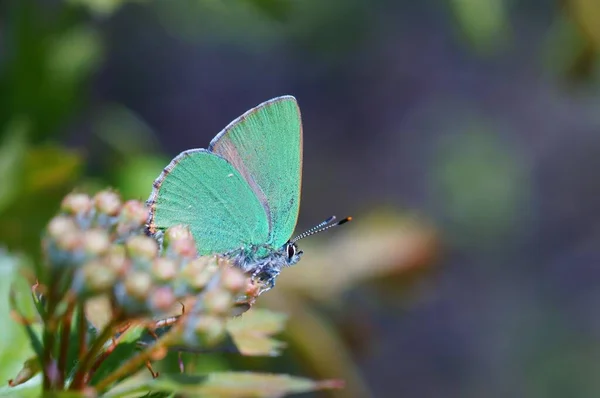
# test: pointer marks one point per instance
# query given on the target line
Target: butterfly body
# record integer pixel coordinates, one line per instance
(265, 262)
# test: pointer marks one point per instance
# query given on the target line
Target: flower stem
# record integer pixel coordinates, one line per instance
(64, 342)
(88, 359)
(49, 340)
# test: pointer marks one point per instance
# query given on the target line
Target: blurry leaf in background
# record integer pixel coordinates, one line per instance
(485, 23)
(48, 56)
(12, 157)
(199, 20)
(135, 179)
(566, 51)
(317, 344)
(251, 332)
(327, 27)
(482, 187)
(587, 14)
(276, 9)
(73, 55)
(15, 347)
(132, 151)
(577, 39)
(47, 174)
(124, 132)
(374, 245)
(103, 8)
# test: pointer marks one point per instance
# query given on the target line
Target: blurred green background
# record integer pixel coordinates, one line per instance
(463, 136)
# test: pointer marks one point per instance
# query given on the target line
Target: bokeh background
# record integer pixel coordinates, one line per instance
(463, 136)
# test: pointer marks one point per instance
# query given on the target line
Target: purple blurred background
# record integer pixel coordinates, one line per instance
(482, 117)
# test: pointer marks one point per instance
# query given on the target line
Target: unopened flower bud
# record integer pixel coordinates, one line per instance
(177, 232)
(116, 259)
(233, 279)
(76, 203)
(183, 248)
(164, 269)
(162, 299)
(69, 242)
(218, 301)
(61, 225)
(108, 202)
(197, 273)
(138, 284)
(96, 242)
(142, 246)
(134, 213)
(98, 278)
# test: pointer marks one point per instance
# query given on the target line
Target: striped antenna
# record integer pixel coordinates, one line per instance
(324, 226)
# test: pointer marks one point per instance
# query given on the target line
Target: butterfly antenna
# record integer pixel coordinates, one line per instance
(324, 226)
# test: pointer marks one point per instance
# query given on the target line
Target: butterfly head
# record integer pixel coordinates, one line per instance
(292, 253)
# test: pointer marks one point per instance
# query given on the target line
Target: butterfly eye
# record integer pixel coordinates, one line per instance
(291, 250)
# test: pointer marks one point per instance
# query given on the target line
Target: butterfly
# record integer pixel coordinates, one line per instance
(240, 197)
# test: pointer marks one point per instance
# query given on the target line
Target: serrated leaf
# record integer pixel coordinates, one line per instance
(229, 385)
(252, 332)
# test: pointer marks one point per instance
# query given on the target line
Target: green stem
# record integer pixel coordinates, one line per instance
(81, 331)
(49, 340)
(64, 342)
(88, 359)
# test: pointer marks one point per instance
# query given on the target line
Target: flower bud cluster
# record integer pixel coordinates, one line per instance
(98, 246)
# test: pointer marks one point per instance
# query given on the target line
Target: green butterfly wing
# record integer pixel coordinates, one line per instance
(265, 146)
(205, 192)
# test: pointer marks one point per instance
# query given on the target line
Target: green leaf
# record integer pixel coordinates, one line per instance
(15, 347)
(103, 8)
(47, 174)
(12, 157)
(228, 385)
(252, 332)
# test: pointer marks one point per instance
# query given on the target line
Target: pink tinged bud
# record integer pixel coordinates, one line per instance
(184, 248)
(69, 242)
(162, 299)
(134, 212)
(233, 279)
(76, 203)
(108, 202)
